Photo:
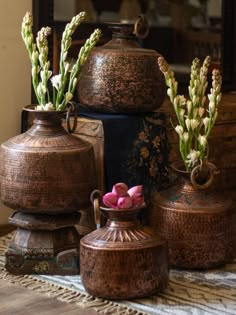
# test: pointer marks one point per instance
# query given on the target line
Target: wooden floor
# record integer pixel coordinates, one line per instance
(16, 300)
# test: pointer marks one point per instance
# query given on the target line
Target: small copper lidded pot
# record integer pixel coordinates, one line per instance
(123, 259)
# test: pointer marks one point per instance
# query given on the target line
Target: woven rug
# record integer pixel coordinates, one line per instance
(188, 292)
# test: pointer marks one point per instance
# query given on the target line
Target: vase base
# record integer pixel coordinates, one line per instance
(50, 249)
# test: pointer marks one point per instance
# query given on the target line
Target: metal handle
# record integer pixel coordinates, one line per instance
(141, 27)
(95, 200)
(71, 110)
(207, 171)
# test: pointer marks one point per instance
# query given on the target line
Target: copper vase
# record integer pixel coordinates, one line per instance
(196, 220)
(120, 76)
(46, 176)
(124, 259)
(46, 169)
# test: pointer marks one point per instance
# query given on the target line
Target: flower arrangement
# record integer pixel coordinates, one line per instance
(196, 115)
(121, 197)
(64, 83)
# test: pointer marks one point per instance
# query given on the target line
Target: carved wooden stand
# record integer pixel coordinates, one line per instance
(44, 243)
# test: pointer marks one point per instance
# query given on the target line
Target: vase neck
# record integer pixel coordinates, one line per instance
(132, 224)
(185, 184)
(122, 218)
(47, 124)
(122, 31)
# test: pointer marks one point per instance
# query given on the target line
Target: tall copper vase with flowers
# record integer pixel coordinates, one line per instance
(46, 173)
(191, 214)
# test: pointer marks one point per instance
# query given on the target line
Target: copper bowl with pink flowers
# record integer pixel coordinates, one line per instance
(123, 259)
(121, 197)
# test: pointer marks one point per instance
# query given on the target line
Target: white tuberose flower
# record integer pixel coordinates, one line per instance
(179, 130)
(185, 137)
(193, 156)
(194, 123)
(188, 123)
(202, 140)
(206, 121)
(56, 81)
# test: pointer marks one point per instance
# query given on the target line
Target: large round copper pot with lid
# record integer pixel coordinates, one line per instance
(120, 76)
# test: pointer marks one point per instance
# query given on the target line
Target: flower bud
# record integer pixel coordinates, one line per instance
(218, 98)
(137, 200)
(44, 89)
(169, 93)
(206, 122)
(185, 137)
(35, 57)
(215, 115)
(201, 111)
(75, 81)
(203, 141)
(34, 72)
(136, 195)
(188, 123)
(120, 189)
(203, 100)
(67, 66)
(176, 103)
(30, 40)
(194, 123)
(124, 202)
(39, 89)
(179, 130)
(195, 112)
(195, 100)
(212, 106)
(189, 106)
(211, 97)
(135, 190)
(68, 97)
(193, 155)
(182, 112)
(48, 106)
(110, 200)
(65, 55)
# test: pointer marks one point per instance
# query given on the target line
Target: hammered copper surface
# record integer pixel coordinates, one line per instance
(198, 224)
(124, 259)
(46, 169)
(122, 77)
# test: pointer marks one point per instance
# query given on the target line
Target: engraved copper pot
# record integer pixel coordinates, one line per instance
(46, 175)
(46, 169)
(196, 219)
(120, 76)
(124, 259)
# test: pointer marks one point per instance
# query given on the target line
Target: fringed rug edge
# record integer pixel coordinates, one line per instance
(63, 293)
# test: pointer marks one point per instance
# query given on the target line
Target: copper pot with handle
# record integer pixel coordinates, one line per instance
(195, 218)
(122, 259)
(120, 76)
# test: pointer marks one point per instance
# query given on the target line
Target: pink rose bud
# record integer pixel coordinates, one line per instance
(136, 195)
(124, 202)
(120, 189)
(110, 200)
